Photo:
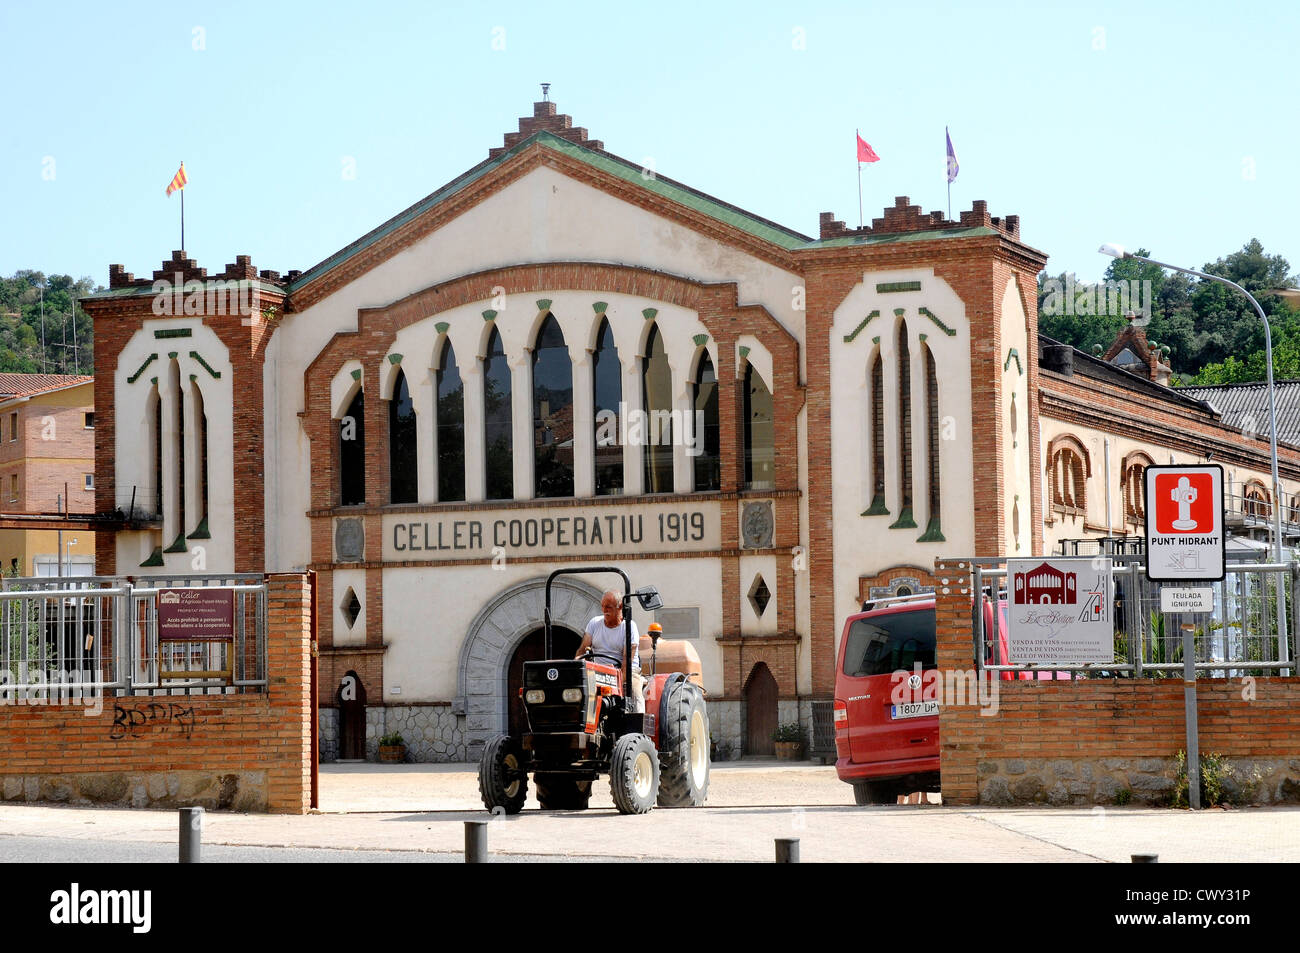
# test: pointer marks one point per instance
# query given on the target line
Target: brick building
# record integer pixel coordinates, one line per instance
(47, 465)
(562, 358)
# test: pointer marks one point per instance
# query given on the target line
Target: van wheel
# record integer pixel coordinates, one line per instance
(867, 792)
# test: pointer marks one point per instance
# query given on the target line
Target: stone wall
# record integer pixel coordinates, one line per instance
(1063, 781)
(212, 790)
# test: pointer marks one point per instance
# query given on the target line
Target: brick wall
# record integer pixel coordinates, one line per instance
(1084, 741)
(245, 752)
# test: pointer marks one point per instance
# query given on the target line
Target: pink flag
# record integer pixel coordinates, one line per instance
(865, 152)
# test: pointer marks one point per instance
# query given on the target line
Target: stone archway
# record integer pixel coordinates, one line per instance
(490, 643)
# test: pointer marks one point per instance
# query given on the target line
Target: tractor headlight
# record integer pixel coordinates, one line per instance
(572, 695)
(535, 696)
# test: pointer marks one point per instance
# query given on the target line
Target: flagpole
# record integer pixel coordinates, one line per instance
(182, 214)
(858, 133)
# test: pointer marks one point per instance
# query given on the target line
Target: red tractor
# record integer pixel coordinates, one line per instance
(580, 727)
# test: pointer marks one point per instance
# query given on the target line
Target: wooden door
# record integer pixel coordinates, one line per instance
(760, 711)
(532, 649)
(351, 699)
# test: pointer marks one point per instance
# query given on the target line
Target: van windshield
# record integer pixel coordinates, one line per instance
(888, 643)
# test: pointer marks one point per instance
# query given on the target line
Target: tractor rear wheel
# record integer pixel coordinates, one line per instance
(634, 774)
(502, 780)
(559, 792)
(684, 747)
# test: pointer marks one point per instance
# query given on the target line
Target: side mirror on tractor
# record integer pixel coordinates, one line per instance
(648, 596)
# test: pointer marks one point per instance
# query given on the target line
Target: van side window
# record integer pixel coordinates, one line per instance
(888, 643)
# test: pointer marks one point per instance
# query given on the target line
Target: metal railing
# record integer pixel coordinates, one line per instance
(1238, 637)
(94, 634)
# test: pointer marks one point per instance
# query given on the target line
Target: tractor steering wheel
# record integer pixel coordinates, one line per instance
(591, 654)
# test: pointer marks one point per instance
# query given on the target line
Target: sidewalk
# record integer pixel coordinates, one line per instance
(421, 808)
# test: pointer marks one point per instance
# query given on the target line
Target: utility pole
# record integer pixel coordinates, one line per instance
(42, 330)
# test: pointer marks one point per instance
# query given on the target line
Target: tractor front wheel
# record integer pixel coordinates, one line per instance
(634, 774)
(684, 747)
(558, 792)
(502, 780)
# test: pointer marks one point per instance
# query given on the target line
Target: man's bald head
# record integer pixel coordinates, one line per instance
(611, 606)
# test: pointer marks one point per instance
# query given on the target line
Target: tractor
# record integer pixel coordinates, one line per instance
(580, 727)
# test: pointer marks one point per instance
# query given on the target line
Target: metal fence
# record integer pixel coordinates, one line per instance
(1238, 637)
(66, 636)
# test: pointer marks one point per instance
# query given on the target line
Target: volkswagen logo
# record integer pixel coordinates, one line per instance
(914, 681)
(552, 674)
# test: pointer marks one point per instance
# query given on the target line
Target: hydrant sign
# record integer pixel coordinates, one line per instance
(1184, 517)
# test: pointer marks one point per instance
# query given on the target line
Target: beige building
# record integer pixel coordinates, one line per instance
(47, 466)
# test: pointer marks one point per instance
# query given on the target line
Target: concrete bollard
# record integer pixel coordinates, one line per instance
(191, 819)
(787, 850)
(1145, 858)
(476, 842)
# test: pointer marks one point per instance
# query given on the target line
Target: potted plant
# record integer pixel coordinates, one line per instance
(789, 742)
(392, 748)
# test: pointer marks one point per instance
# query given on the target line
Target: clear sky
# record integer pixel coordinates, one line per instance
(1169, 125)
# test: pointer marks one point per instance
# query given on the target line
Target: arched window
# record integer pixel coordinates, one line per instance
(497, 436)
(201, 463)
(450, 415)
(657, 400)
(904, 428)
(607, 386)
(1257, 501)
(760, 434)
(403, 479)
(705, 428)
(154, 405)
(552, 412)
(1068, 473)
(352, 452)
(877, 438)
(1133, 474)
(174, 374)
(932, 531)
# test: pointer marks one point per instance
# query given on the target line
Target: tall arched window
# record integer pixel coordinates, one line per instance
(1257, 502)
(933, 533)
(877, 507)
(905, 517)
(154, 405)
(403, 479)
(352, 452)
(201, 464)
(1068, 472)
(657, 399)
(607, 385)
(552, 412)
(760, 434)
(175, 374)
(497, 436)
(450, 414)
(1133, 471)
(705, 428)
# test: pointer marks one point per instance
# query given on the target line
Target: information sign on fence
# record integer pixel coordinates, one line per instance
(196, 615)
(1059, 611)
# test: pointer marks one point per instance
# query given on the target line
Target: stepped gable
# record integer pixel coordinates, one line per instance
(904, 217)
(546, 119)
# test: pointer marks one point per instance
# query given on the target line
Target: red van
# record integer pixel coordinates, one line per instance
(887, 744)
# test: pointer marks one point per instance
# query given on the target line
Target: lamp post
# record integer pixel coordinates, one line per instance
(1118, 251)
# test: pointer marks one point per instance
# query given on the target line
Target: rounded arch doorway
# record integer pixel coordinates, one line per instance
(532, 648)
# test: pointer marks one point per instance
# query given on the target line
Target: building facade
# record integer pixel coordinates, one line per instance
(560, 358)
(47, 466)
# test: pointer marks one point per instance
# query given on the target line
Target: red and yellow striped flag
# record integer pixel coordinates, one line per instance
(178, 180)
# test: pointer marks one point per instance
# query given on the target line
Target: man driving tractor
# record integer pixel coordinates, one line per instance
(604, 635)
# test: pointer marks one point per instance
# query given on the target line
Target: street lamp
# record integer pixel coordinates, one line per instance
(1118, 251)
